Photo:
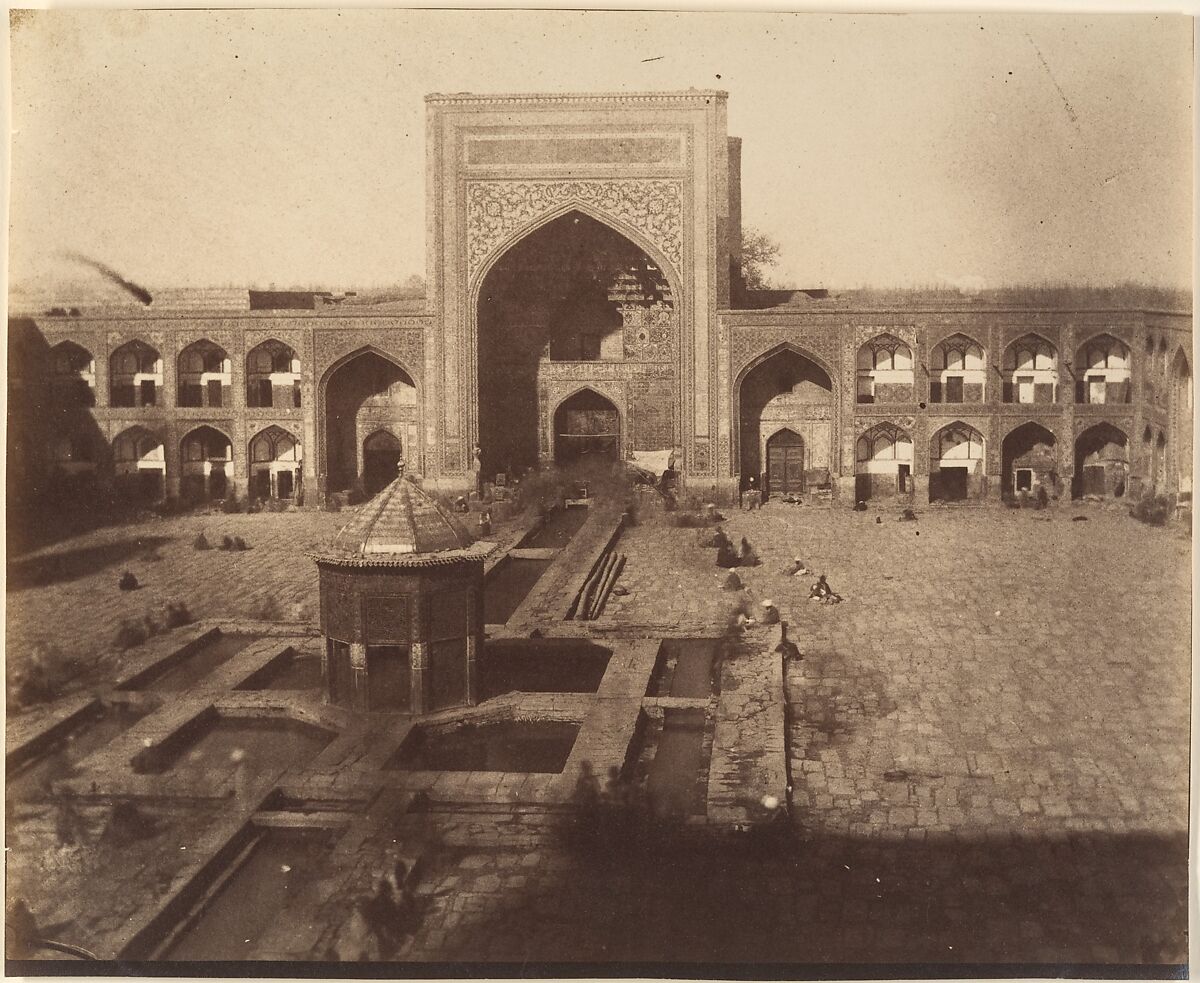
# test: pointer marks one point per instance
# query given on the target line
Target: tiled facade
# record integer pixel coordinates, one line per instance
(817, 397)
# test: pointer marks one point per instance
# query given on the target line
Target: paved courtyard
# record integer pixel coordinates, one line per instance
(67, 594)
(988, 740)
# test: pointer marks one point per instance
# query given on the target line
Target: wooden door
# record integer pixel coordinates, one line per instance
(785, 463)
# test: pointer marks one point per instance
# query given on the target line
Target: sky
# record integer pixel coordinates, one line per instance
(256, 147)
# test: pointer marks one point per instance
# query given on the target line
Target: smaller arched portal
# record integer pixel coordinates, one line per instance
(587, 427)
(383, 453)
(206, 458)
(956, 464)
(883, 463)
(786, 389)
(1101, 462)
(1029, 461)
(275, 458)
(364, 393)
(140, 465)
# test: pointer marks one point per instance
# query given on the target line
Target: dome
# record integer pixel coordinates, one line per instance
(403, 525)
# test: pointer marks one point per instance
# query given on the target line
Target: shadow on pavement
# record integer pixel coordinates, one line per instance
(1091, 899)
(41, 571)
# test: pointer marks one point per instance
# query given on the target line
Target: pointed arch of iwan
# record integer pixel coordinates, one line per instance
(468, 368)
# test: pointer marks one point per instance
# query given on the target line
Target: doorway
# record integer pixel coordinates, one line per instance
(785, 463)
(586, 427)
(382, 454)
(389, 678)
(948, 485)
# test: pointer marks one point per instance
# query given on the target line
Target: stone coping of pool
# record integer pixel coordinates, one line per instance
(31, 734)
(551, 597)
(264, 629)
(110, 770)
(535, 553)
(212, 850)
(146, 661)
(551, 583)
(27, 736)
(215, 853)
(749, 752)
(603, 631)
(608, 721)
(506, 544)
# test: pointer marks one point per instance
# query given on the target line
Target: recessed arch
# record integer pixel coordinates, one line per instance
(1029, 460)
(274, 457)
(587, 425)
(777, 349)
(139, 464)
(72, 374)
(135, 375)
(957, 461)
(1182, 423)
(785, 387)
(205, 462)
(883, 462)
(958, 370)
(359, 393)
(562, 299)
(1103, 370)
(273, 375)
(559, 211)
(203, 375)
(1101, 462)
(884, 370)
(1031, 370)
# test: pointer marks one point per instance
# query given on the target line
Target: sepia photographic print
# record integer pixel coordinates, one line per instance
(598, 493)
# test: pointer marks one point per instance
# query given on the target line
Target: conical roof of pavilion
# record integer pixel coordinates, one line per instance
(402, 526)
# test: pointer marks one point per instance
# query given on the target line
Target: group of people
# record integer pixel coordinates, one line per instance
(382, 918)
(728, 557)
(617, 813)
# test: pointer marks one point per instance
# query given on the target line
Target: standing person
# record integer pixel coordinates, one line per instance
(753, 495)
(477, 467)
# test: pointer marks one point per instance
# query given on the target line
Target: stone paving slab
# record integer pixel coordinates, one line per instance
(144, 661)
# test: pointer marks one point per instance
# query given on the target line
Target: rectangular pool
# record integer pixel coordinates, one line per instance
(511, 745)
(507, 585)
